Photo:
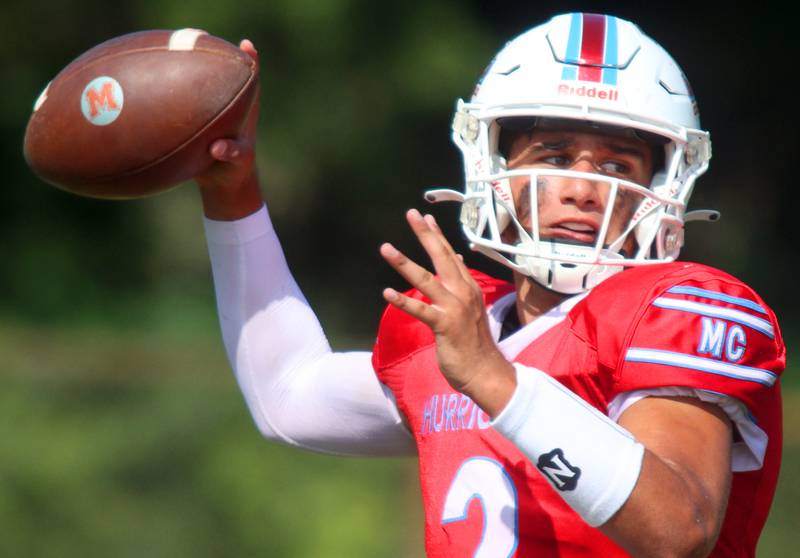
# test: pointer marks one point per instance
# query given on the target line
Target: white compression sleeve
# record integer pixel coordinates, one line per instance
(590, 460)
(297, 389)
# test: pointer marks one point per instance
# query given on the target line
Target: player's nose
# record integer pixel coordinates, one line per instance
(581, 192)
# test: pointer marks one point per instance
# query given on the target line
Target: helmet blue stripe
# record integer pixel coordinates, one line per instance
(611, 56)
(573, 47)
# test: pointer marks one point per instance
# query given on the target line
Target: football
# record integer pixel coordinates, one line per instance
(135, 115)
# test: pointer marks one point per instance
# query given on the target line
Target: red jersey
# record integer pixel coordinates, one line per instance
(671, 325)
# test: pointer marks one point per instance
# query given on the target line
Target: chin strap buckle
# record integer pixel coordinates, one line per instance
(708, 215)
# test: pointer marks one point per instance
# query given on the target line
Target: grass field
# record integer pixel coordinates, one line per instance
(135, 442)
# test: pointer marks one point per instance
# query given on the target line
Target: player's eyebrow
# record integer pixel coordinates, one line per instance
(625, 149)
(554, 145)
(541, 146)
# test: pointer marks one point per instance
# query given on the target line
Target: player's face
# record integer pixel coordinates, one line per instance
(573, 208)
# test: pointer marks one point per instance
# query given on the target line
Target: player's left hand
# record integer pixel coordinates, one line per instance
(235, 156)
(468, 356)
(229, 188)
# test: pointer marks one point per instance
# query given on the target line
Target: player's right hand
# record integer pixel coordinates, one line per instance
(229, 188)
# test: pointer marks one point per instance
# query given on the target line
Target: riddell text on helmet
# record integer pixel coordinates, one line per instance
(592, 92)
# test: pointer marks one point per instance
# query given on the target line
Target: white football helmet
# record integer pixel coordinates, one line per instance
(591, 70)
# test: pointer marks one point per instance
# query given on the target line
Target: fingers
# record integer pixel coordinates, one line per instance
(434, 244)
(426, 313)
(462, 268)
(248, 46)
(449, 265)
(454, 288)
(228, 151)
(416, 275)
(249, 127)
(239, 150)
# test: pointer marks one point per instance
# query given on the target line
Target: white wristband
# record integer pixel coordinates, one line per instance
(590, 460)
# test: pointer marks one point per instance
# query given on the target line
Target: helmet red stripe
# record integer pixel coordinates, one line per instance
(592, 47)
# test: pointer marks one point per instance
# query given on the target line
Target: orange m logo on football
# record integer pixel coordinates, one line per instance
(102, 99)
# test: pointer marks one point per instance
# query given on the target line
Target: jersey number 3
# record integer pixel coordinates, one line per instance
(486, 480)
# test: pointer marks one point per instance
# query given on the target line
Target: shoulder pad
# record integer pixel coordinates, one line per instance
(604, 316)
(683, 324)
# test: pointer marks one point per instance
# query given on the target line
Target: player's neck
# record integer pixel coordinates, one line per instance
(533, 300)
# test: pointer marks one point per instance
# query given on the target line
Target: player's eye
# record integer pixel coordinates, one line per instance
(557, 160)
(615, 168)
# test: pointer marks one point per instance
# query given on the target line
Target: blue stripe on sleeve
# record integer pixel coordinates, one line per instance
(713, 295)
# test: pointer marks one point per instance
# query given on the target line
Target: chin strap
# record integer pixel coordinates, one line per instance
(562, 277)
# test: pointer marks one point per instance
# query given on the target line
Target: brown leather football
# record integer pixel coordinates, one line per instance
(135, 115)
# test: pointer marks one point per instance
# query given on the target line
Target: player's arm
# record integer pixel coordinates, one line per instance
(680, 497)
(657, 482)
(298, 391)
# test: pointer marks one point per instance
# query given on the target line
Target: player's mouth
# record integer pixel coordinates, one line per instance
(584, 232)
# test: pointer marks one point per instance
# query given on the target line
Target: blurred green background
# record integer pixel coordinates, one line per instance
(122, 430)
